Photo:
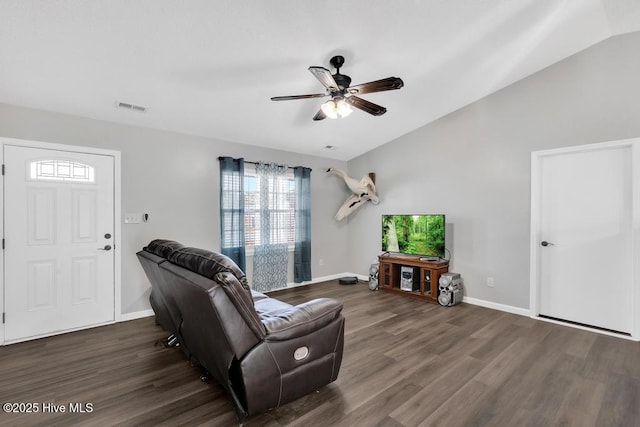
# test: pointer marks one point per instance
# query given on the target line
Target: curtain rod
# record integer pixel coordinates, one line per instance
(255, 163)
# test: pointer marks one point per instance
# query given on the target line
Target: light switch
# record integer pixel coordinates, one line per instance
(132, 218)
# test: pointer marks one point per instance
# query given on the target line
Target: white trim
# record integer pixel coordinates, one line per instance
(125, 317)
(534, 291)
(534, 236)
(52, 334)
(327, 278)
(585, 328)
(117, 234)
(525, 312)
(322, 279)
(1, 237)
(496, 306)
(117, 209)
(635, 240)
(57, 147)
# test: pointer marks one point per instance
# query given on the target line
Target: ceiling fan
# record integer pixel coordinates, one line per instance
(343, 96)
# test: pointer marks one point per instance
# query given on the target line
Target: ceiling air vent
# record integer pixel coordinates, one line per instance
(133, 107)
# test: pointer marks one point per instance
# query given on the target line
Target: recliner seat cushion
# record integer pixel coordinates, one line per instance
(285, 322)
(257, 296)
(267, 305)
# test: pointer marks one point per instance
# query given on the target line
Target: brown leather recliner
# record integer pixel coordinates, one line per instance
(263, 351)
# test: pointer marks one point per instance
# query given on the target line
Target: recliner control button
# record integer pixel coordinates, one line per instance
(301, 353)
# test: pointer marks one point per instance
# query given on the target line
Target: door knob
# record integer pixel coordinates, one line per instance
(545, 243)
(106, 248)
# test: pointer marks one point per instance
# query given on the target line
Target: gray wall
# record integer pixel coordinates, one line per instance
(474, 165)
(175, 178)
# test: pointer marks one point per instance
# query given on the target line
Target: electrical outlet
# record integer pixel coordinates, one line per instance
(490, 282)
(132, 218)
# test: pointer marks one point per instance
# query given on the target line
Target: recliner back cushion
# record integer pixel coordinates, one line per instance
(208, 264)
(163, 247)
(242, 301)
(225, 273)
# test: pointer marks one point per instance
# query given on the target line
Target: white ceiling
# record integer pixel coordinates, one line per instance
(208, 67)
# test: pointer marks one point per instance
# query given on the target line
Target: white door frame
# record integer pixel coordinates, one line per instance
(117, 309)
(535, 236)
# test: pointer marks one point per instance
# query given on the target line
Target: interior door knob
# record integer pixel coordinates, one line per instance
(545, 243)
(106, 248)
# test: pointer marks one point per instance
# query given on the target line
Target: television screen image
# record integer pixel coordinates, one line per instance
(413, 234)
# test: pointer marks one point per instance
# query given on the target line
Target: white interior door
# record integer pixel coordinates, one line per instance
(586, 237)
(59, 225)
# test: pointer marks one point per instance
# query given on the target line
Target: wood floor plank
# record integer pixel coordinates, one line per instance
(406, 363)
(583, 393)
(432, 396)
(461, 409)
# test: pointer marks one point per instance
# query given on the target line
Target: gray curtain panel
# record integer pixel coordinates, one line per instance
(232, 209)
(302, 251)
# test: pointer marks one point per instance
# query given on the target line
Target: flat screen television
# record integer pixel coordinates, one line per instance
(414, 234)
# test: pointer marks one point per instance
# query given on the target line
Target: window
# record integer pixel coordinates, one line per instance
(282, 205)
(265, 218)
(61, 170)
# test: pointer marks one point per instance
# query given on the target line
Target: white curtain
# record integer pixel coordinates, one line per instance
(271, 256)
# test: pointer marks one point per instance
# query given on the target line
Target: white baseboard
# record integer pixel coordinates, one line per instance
(335, 277)
(497, 306)
(474, 301)
(586, 328)
(124, 317)
(327, 278)
(323, 279)
(361, 277)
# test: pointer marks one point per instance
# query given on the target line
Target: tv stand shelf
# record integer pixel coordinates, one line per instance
(429, 272)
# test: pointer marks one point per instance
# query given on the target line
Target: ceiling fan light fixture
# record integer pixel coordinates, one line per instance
(329, 109)
(343, 108)
(336, 107)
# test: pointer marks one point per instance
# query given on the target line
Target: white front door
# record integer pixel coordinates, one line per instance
(585, 240)
(59, 226)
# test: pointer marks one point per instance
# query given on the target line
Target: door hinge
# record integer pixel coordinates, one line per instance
(3, 317)
(3, 243)
(2, 169)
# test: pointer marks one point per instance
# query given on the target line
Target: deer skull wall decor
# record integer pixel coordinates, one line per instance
(363, 190)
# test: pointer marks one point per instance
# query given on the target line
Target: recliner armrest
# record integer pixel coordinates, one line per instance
(301, 319)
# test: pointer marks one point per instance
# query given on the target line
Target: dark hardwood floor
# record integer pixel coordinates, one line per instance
(406, 363)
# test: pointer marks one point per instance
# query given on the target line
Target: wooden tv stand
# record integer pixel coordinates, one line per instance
(389, 275)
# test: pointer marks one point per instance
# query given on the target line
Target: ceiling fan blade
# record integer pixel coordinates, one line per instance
(325, 78)
(366, 106)
(319, 116)
(390, 83)
(286, 98)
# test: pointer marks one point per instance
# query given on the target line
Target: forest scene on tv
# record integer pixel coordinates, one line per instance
(413, 234)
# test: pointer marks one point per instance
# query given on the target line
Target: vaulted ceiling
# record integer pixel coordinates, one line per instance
(209, 67)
